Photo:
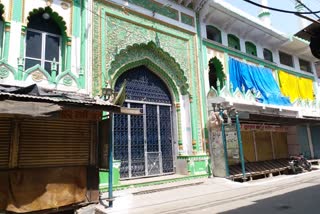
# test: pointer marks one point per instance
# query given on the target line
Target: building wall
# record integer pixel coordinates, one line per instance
(69, 15)
(257, 60)
(298, 137)
(127, 35)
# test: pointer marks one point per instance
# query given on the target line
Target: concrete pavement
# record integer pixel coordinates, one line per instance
(280, 194)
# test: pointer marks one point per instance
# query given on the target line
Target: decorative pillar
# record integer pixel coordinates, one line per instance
(180, 145)
(81, 78)
(83, 46)
(6, 40)
(20, 68)
(22, 40)
(195, 146)
(54, 71)
(203, 61)
(68, 57)
(105, 76)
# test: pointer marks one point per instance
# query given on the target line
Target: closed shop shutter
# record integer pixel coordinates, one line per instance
(315, 136)
(264, 146)
(54, 143)
(5, 140)
(280, 144)
(302, 138)
(248, 146)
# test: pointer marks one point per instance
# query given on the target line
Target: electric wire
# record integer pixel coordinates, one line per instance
(305, 6)
(280, 10)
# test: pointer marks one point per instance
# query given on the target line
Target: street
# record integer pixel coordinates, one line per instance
(280, 194)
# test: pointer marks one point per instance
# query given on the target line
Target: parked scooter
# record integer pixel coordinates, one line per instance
(298, 163)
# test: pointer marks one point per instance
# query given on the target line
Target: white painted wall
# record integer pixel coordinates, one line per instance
(260, 47)
(14, 43)
(75, 55)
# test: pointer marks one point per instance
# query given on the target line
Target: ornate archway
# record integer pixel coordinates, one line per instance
(55, 16)
(144, 143)
(157, 60)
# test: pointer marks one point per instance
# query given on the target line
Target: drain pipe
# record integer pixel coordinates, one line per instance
(110, 160)
(240, 145)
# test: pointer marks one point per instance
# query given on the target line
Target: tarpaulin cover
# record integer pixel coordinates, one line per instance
(256, 79)
(296, 87)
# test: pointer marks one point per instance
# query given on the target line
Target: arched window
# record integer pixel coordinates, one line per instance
(213, 33)
(267, 55)
(43, 41)
(216, 73)
(233, 42)
(251, 49)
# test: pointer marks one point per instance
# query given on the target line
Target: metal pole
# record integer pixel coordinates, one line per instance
(224, 141)
(240, 145)
(110, 159)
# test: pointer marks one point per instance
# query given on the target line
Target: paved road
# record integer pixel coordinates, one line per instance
(280, 194)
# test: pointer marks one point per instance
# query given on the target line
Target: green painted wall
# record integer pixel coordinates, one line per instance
(83, 47)
(116, 30)
(186, 19)
(17, 10)
(6, 40)
(104, 176)
(123, 30)
(203, 63)
(76, 18)
(157, 7)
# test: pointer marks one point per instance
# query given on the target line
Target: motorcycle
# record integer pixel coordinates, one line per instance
(298, 163)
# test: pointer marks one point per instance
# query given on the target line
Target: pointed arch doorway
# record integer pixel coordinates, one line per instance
(143, 143)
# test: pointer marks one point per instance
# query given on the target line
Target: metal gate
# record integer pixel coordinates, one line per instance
(144, 143)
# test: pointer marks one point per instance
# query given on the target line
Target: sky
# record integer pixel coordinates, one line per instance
(286, 23)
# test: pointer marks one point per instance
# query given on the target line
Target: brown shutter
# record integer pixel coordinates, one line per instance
(264, 146)
(54, 143)
(5, 140)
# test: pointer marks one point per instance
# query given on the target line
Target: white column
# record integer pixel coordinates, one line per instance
(14, 44)
(186, 125)
(224, 38)
(75, 55)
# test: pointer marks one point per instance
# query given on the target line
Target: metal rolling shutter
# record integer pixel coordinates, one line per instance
(5, 140)
(54, 143)
(264, 146)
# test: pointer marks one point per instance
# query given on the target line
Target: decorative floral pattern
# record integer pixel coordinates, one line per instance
(67, 81)
(4, 72)
(121, 34)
